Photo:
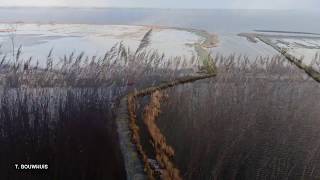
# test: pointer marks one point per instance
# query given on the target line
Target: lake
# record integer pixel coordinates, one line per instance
(222, 21)
(225, 23)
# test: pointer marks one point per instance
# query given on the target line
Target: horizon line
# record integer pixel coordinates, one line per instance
(160, 8)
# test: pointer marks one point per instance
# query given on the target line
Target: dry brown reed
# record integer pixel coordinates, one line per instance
(136, 136)
(164, 152)
(255, 120)
(135, 130)
(117, 73)
(119, 66)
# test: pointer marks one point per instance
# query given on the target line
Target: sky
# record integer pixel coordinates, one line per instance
(184, 4)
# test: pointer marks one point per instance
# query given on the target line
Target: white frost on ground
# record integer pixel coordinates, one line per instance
(38, 39)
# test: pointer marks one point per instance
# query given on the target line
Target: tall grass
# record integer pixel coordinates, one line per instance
(246, 123)
(255, 120)
(62, 114)
(71, 130)
(119, 66)
(315, 62)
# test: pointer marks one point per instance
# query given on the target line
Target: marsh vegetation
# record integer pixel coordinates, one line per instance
(63, 114)
(255, 120)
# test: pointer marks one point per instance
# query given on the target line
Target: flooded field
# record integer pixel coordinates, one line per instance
(232, 44)
(37, 40)
(305, 47)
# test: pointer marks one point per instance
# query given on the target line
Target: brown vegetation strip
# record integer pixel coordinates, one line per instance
(164, 152)
(131, 103)
(136, 136)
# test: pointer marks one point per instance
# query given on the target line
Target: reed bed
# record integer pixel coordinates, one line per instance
(163, 151)
(142, 134)
(71, 130)
(63, 114)
(315, 62)
(120, 66)
(239, 125)
(255, 120)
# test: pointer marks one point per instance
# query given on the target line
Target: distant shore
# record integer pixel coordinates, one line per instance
(286, 32)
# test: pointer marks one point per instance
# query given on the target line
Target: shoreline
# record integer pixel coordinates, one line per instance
(201, 47)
